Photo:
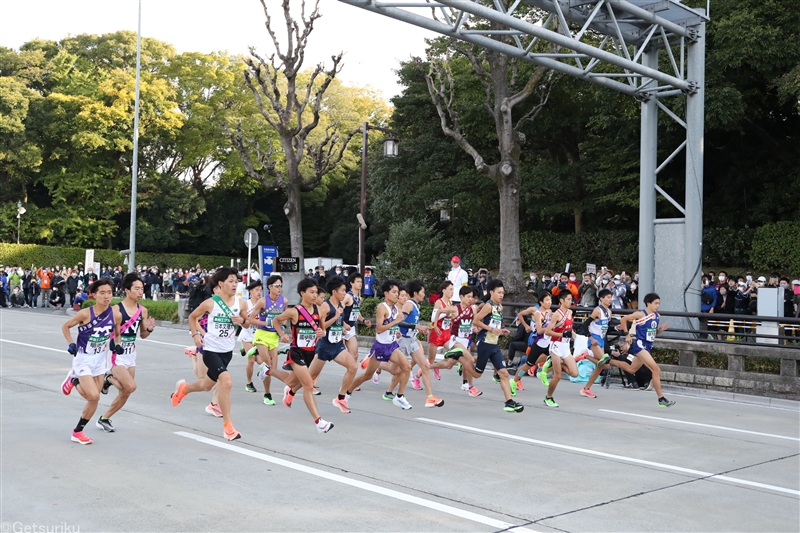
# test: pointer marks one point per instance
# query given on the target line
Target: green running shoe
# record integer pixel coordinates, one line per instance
(663, 402)
(543, 377)
(549, 402)
(388, 396)
(496, 378)
(512, 407)
(459, 369)
(452, 354)
(513, 385)
(249, 387)
(268, 400)
(251, 352)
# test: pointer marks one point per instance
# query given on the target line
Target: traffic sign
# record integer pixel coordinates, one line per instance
(250, 238)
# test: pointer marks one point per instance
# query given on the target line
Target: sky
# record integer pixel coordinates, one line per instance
(373, 45)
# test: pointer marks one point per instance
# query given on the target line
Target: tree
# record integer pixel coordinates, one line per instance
(413, 251)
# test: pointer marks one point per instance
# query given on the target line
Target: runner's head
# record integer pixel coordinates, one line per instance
(391, 290)
(356, 281)
(255, 289)
(496, 290)
(337, 288)
(545, 300)
(225, 279)
(604, 295)
(274, 285)
(565, 299)
(307, 289)
(102, 291)
(446, 289)
(402, 295)
(416, 290)
(467, 295)
(652, 301)
(133, 286)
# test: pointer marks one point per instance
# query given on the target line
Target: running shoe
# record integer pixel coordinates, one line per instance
(588, 393)
(323, 426)
(287, 365)
(267, 399)
(433, 401)
(316, 391)
(580, 357)
(436, 374)
(365, 362)
(241, 351)
(459, 369)
(287, 398)
(649, 386)
(388, 396)
(543, 377)
(376, 378)
(549, 402)
(341, 404)
(415, 383)
(190, 351)
(106, 384)
(400, 401)
(105, 424)
(249, 387)
(213, 409)
(663, 402)
(512, 384)
(604, 360)
(180, 392)
(533, 370)
(496, 378)
(229, 432)
(513, 407)
(465, 386)
(520, 386)
(251, 352)
(263, 371)
(67, 385)
(452, 354)
(80, 438)
(474, 392)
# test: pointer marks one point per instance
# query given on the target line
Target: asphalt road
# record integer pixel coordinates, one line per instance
(615, 463)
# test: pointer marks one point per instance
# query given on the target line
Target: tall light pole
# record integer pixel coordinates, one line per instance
(389, 150)
(135, 171)
(20, 212)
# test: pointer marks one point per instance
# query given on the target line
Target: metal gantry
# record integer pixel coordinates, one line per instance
(649, 49)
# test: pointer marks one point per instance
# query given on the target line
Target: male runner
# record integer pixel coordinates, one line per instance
(247, 334)
(267, 336)
(440, 333)
(95, 327)
(538, 342)
(352, 313)
(560, 332)
(123, 366)
(225, 312)
(646, 327)
(597, 340)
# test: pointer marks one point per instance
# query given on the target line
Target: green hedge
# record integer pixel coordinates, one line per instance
(160, 310)
(40, 255)
(777, 247)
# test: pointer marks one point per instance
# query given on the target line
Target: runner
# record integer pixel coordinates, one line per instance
(385, 347)
(267, 336)
(597, 340)
(411, 347)
(352, 313)
(306, 331)
(247, 335)
(225, 312)
(90, 354)
(440, 334)
(489, 321)
(461, 329)
(646, 326)
(123, 366)
(196, 355)
(538, 342)
(560, 331)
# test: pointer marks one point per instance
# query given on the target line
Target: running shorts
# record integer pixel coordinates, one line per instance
(489, 352)
(383, 352)
(246, 335)
(439, 339)
(327, 351)
(300, 357)
(639, 345)
(561, 349)
(216, 363)
(266, 338)
(601, 342)
(89, 365)
(349, 334)
(408, 345)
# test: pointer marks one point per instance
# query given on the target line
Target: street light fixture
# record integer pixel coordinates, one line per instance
(390, 149)
(20, 211)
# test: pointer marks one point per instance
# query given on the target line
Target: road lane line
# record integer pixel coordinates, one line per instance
(702, 425)
(620, 458)
(34, 346)
(467, 515)
(166, 343)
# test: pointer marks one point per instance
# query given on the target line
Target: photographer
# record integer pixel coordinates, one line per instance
(198, 292)
(480, 282)
(565, 285)
(588, 292)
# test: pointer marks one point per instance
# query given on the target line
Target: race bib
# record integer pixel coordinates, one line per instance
(393, 330)
(413, 333)
(335, 334)
(651, 334)
(128, 344)
(446, 323)
(306, 338)
(97, 344)
(496, 321)
(464, 330)
(269, 318)
(355, 312)
(223, 326)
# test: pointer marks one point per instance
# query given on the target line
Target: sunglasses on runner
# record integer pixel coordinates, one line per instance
(276, 286)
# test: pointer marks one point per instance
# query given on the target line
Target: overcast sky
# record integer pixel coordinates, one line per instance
(373, 44)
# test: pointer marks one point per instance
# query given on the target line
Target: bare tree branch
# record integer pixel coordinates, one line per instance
(270, 176)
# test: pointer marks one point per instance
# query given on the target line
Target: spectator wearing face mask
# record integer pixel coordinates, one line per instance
(588, 292)
(788, 297)
(564, 285)
(633, 293)
(534, 284)
(618, 292)
(722, 279)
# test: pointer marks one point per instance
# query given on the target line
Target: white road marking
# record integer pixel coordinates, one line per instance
(702, 425)
(732, 401)
(467, 515)
(34, 346)
(165, 343)
(620, 458)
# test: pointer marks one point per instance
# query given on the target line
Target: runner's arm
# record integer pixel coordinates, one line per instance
(81, 317)
(200, 310)
(149, 324)
(478, 320)
(380, 316)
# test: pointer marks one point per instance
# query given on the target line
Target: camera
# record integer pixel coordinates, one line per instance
(267, 227)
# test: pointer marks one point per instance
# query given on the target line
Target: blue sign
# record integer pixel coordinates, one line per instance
(267, 255)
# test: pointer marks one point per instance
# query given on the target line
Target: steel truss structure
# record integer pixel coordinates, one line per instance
(649, 49)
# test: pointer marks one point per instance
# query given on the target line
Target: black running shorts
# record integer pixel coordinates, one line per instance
(216, 363)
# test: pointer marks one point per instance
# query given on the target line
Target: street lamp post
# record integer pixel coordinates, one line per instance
(389, 150)
(20, 212)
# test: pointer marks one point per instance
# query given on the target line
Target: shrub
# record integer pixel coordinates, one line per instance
(160, 310)
(775, 247)
(413, 251)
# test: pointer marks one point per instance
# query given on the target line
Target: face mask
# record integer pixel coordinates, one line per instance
(546, 280)
(633, 286)
(617, 282)
(784, 285)
(749, 278)
(722, 278)
(572, 278)
(338, 271)
(723, 292)
(533, 278)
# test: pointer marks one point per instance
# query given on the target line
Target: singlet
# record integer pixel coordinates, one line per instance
(462, 323)
(304, 336)
(270, 311)
(412, 318)
(93, 337)
(352, 311)
(221, 336)
(129, 335)
(335, 330)
(540, 339)
(390, 335)
(647, 327)
(599, 327)
(566, 325)
(493, 320)
(443, 322)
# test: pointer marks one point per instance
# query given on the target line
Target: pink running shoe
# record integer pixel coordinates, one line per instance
(474, 392)
(588, 393)
(80, 438)
(213, 409)
(415, 383)
(67, 386)
(190, 351)
(341, 404)
(436, 374)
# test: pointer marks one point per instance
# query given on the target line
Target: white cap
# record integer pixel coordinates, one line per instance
(617, 276)
(762, 278)
(796, 282)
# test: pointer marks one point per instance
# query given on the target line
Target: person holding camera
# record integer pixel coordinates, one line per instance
(587, 292)
(564, 285)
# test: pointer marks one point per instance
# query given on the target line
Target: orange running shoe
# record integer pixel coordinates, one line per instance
(80, 438)
(341, 404)
(433, 401)
(365, 362)
(190, 351)
(179, 394)
(519, 385)
(230, 432)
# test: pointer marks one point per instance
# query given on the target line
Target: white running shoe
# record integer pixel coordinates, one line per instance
(400, 401)
(465, 386)
(323, 426)
(376, 378)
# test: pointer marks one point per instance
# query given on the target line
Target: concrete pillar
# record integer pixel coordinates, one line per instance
(647, 183)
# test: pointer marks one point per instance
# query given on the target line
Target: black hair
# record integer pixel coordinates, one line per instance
(722, 272)
(602, 293)
(305, 284)
(414, 286)
(129, 280)
(334, 283)
(475, 292)
(221, 275)
(650, 298)
(466, 289)
(563, 295)
(387, 285)
(253, 284)
(272, 279)
(494, 284)
(94, 287)
(354, 276)
(544, 294)
(784, 279)
(444, 285)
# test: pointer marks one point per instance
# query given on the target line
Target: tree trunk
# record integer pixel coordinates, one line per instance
(292, 209)
(510, 260)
